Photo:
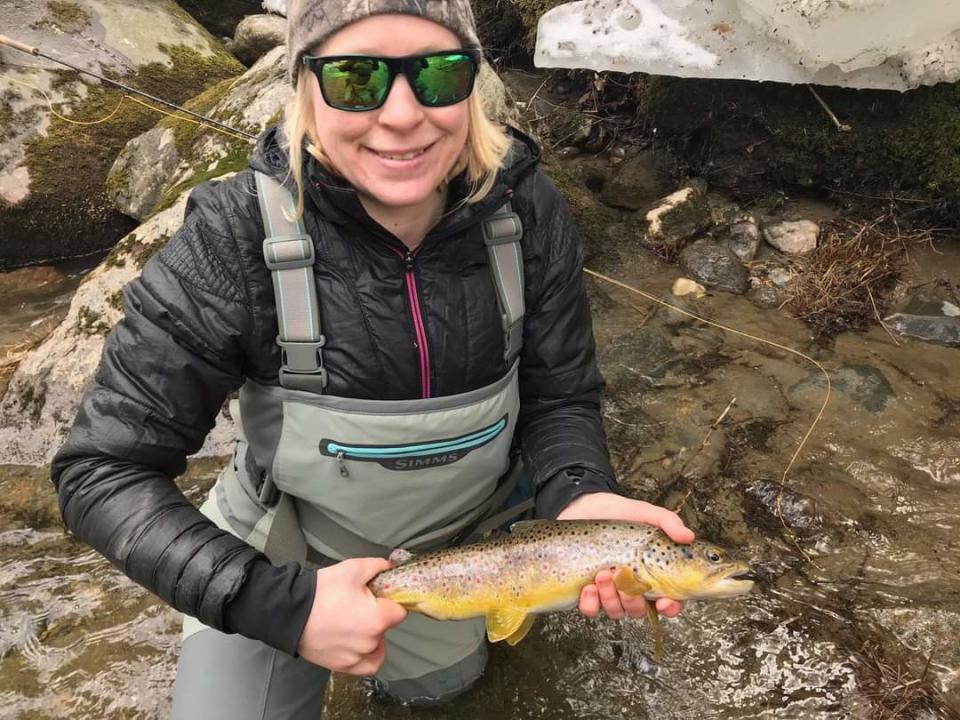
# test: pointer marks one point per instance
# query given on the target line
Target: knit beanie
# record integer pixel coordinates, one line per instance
(310, 22)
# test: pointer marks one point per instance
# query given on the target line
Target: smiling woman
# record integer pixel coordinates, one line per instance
(396, 290)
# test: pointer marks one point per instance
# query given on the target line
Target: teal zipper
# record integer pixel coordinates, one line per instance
(464, 442)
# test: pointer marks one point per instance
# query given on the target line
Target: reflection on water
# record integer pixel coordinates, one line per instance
(864, 552)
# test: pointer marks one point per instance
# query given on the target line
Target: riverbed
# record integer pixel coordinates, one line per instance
(858, 546)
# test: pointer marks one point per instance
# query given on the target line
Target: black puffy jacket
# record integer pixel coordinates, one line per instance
(201, 318)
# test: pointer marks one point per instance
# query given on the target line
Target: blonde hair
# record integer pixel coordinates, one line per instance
(483, 153)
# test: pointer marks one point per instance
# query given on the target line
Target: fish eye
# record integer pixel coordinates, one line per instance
(714, 556)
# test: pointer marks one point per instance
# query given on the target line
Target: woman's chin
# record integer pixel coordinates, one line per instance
(401, 197)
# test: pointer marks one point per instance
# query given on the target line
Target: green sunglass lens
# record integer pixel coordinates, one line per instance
(355, 83)
(444, 79)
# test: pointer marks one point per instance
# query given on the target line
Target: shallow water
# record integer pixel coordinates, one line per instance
(866, 555)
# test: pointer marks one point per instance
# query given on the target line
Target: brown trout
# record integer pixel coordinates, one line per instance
(543, 565)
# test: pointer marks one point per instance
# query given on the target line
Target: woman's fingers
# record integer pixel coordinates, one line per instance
(590, 601)
(669, 608)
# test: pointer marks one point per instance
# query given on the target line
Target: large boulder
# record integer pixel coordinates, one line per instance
(52, 198)
(257, 35)
(43, 395)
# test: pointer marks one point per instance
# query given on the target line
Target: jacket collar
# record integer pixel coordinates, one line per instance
(339, 202)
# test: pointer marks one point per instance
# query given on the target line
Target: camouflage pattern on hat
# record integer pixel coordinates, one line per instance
(310, 22)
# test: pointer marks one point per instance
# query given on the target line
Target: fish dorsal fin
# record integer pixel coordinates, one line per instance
(523, 526)
(628, 583)
(399, 556)
(506, 623)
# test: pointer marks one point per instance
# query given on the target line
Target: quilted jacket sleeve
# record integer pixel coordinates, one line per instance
(561, 432)
(165, 372)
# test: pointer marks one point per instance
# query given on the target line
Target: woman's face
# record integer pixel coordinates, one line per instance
(364, 146)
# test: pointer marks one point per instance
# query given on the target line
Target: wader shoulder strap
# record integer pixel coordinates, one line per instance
(501, 234)
(289, 255)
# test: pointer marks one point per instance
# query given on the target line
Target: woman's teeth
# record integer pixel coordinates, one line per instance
(405, 156)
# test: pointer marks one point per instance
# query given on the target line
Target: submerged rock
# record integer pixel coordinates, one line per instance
(715, 266)
(938, 329)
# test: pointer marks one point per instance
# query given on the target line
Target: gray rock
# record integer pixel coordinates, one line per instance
(793, 237)
(257, 35)
(864, 384)
(634, 185)
(938, 329)
(714, 266)
(136, 180)
(765, 297)
(780, 277)
(743, 238)
(797, 511)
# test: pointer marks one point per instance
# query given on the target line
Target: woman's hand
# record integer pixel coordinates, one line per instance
(345, 629)
(603, 593)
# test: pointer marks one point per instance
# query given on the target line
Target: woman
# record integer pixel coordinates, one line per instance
(395, 342)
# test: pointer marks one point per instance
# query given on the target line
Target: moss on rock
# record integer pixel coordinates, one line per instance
(57, 220)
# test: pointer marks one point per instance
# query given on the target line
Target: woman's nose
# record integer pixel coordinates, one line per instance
(401, 109)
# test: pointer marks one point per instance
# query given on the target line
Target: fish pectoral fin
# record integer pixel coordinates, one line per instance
(654, 618)
(522, 526)
(398, 556)
(522, 631)
(505, 624)
(627, 582)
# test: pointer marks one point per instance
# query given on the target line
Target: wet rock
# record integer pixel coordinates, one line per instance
(42, 397)
(716, 266)
(679, 217)
(743, 238)
(257, 35)
(867, 386)
(685, 286)
(136, 180)
(635, 184)
(765, 297)
(938, 329)
(52, 172)
(780, 277)
(792, 237)
(777, 502)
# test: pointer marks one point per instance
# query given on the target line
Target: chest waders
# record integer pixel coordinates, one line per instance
(317, 478)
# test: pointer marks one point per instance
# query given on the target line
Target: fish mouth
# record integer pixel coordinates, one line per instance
(745, 575)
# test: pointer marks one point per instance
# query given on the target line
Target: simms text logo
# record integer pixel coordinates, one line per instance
(418, 455)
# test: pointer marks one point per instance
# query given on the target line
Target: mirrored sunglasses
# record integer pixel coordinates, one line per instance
(357, 83)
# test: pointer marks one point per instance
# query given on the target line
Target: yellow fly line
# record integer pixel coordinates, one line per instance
(126, 96)
(826, 375)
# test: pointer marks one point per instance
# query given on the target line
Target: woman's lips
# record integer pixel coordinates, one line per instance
(403, 161)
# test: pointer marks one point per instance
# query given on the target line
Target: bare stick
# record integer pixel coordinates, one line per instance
(703, 444)
(879, 319)
(842, 127)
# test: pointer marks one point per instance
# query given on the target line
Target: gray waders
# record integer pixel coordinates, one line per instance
(317, 479)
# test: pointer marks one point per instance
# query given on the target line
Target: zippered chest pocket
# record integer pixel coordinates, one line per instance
(414, 455)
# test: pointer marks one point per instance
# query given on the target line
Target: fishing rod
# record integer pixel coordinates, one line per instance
(22, 47)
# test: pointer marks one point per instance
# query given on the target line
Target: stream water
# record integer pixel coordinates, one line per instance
(858, 613)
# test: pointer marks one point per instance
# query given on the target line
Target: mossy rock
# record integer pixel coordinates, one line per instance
(746, 136)
(68, 212)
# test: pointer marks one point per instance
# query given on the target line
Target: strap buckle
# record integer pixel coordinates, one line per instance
(302, 357)
(288, 252)
(503, 227)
